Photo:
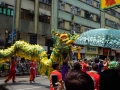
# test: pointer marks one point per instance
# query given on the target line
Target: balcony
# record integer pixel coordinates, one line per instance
(25, 26)
(28, 26)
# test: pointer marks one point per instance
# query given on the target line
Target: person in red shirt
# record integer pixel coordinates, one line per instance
(55, 66)
(12, 71)
(84, 66)
(95, 76)
(32, 71)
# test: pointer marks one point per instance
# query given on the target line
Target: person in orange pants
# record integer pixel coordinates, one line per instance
(12, 71)
(32, 71)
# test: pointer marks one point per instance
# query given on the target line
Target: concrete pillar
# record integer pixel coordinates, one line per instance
(17, 14)
(36, 16)
(52, 15)
(102, 19)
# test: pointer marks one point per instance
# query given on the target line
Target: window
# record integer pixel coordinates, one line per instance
(90, 2)
(98, 19)
(72, 26)
(60, 23)
(87, 1)
(118, 15)
(118, 26)
(44, 18)
(106, 22)
(9, 12)
(88, 15)
(4, 11)
(97, 4)
(73, 10)
(1, 10)
(26, 14)
(86, 29)
(62, 5)
(111, 24)
(77, 28)
(79, 11)
(91, 17)
(46, 1)
(113, 12)
(12, 12)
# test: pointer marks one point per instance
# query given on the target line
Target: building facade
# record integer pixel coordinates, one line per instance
(75, 15)
(34, 19)
(31, 20)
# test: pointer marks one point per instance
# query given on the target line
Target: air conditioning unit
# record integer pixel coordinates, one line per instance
(31, 12)
(73, 32)
(2, 3)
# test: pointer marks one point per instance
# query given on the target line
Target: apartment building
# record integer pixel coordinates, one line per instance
(32, 20)
(77, 16)
(112, 18)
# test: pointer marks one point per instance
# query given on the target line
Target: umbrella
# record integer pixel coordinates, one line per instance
(107, 38)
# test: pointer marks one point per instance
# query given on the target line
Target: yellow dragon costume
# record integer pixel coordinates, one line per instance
(62, 43)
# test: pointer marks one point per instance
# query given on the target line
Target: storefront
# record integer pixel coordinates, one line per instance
(91, 52)
(113, 54)
(104, 52)
(117, 54)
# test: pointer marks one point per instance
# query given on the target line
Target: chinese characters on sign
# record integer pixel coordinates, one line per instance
(106, 4)
(110, 2)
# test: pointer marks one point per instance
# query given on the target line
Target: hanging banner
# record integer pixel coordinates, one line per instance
(106, 4)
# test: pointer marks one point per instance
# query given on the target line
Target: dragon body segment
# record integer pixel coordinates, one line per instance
(62, 44)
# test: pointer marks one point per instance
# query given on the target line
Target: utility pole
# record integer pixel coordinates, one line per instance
(13, 24)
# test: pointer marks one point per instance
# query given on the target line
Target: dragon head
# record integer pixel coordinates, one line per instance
(64, 41)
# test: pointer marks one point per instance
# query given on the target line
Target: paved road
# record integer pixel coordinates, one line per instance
(22, 83)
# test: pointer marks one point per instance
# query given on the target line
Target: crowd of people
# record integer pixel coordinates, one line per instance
(77, 75)
(22, 68)
(86, 75)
